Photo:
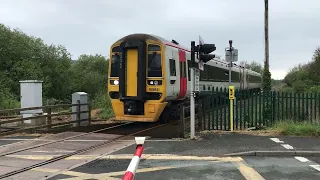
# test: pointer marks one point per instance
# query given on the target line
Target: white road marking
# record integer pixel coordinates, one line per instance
(276, 140)
(62, 151)
(316, 167)
(83, 140)
(302, 159)
(155, 140)
(287, 146)
(35, 139)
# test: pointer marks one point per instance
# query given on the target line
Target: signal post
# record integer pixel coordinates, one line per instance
(231, 56)
(203, 55)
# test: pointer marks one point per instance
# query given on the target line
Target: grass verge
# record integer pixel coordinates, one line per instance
(102, 104)
(297, 128)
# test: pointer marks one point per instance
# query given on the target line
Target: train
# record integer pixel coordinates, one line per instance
(149, 77)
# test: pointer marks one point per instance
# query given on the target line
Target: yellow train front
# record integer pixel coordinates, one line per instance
(136, 78)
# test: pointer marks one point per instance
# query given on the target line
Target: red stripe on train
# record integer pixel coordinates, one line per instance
(183, 80)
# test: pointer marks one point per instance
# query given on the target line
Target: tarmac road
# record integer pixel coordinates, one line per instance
(177, 159)
(255, 168)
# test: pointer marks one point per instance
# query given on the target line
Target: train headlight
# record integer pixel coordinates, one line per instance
(116, 82)
(154, 82)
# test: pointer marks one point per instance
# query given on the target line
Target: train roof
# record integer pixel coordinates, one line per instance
(173, 43)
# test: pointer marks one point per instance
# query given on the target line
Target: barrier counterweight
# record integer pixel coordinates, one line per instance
(129, 175)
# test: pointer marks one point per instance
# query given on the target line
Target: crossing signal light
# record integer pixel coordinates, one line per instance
(204, 51)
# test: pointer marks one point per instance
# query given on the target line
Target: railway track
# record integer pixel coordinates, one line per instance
(135, 128)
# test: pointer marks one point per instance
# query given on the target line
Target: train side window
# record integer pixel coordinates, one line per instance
(209, 70)
(182, 66)
(184, 69)
(172, 63)
(203, 74)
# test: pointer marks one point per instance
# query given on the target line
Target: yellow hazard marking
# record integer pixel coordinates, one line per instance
(129, 156)
(85, 178)
(248, 172)
(70, 173)
(109, 175)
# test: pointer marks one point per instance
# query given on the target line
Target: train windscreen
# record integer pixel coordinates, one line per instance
(115, 66)
(154, 61)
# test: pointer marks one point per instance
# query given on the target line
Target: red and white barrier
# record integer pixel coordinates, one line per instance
(131, 170)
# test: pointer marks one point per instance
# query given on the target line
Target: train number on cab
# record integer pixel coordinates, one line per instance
(154, 89)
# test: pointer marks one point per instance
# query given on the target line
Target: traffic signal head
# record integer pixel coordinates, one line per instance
(207, 48)
(204, 50)
(206, 57)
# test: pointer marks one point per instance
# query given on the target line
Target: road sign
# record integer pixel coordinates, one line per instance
(201, 40)
(231, 57)
(197, 80)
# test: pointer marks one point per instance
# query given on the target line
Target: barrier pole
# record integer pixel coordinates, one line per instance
(231, 97)
(129, 175)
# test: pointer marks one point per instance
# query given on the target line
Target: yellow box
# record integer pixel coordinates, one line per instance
(231, 92)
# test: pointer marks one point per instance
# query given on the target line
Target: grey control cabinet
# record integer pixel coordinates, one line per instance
(81, 97)
(31, 96)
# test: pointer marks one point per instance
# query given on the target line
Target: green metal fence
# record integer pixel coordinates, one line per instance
(257, 109)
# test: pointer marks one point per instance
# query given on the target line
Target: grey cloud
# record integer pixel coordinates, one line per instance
(92, 26)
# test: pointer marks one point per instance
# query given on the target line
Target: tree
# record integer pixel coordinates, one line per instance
(25, 57)
(305, 77)
(254, 66)
(90, 74)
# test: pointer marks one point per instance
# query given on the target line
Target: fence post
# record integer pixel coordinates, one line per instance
(89, 114)
(49, 120)
(129, 175)
(78, 113)
(182, 126)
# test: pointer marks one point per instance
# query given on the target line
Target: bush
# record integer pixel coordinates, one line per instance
(287, 89)
(26, 57)
(314, 89)
(8, 100)
(102, 102)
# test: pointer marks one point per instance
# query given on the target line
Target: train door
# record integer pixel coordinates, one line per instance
(132, 79)
(172, 73)
(183, 74)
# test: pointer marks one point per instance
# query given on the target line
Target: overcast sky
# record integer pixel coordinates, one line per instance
(90, 27)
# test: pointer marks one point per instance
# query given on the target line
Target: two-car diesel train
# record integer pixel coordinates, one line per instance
(149, 76)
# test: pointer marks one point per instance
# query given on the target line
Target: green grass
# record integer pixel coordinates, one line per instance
(106, 113)
(102, 102)
(297, 128)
